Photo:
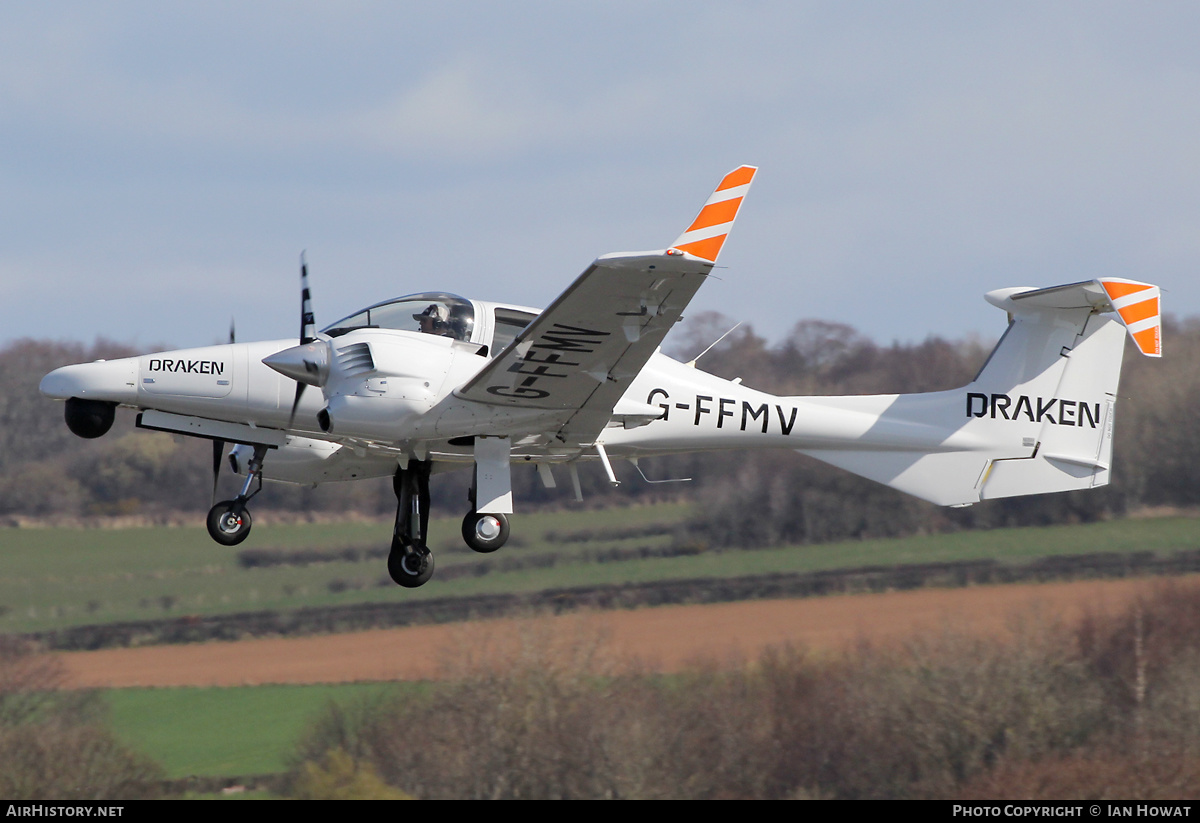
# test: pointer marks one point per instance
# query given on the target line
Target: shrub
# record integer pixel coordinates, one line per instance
(338, 776)
(52, 743)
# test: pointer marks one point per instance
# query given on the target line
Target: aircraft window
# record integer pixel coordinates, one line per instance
(508, 325)
(442, 314)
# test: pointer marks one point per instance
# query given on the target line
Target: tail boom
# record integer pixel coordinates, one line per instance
(1039, 416)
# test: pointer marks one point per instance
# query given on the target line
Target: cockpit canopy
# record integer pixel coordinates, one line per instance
(431, 312)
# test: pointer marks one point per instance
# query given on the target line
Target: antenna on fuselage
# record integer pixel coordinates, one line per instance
(692, 363)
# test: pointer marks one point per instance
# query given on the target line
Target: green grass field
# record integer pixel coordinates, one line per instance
(226, 732)
(51, 578)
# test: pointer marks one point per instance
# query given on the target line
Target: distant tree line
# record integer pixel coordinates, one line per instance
(747, 498)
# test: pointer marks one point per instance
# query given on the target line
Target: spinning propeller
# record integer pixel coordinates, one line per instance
(308, 363)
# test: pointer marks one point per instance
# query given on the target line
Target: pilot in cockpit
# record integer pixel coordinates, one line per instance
(434, 320)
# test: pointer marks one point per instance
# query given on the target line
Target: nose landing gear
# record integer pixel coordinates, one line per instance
(229, 521)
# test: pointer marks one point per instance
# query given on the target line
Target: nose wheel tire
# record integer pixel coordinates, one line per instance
(228, 523)
(410, 566)
(485, 532)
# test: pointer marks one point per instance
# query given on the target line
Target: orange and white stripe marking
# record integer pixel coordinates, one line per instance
(708, 231)
(1137, 304)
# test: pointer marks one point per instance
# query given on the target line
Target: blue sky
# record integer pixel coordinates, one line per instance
(163, 164)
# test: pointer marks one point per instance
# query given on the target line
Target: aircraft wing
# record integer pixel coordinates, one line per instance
(580, 355)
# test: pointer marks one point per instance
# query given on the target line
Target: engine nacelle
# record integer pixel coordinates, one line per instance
(374, 418)
(384, 382)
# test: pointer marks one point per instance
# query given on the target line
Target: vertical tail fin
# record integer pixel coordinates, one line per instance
(1039, 416)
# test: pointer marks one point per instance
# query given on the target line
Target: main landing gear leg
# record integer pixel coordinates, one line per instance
(410, 563)
(484, 533)
(229, 521)
(485, 528)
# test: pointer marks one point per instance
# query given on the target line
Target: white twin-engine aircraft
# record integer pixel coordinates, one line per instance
(432, 382)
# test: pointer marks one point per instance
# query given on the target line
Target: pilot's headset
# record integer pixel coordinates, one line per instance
(437, 315)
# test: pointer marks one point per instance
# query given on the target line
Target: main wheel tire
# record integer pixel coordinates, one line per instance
(410, 568)
(485, 532)
(228, 523)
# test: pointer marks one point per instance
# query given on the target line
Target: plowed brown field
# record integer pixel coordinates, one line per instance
(661, 639)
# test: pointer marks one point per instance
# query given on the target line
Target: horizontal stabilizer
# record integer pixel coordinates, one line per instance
(1135, 304)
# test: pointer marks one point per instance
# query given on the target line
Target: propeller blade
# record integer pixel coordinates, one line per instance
(296, 403)
(308, 334)
(308, 323)
(232, 335)
(218, 447)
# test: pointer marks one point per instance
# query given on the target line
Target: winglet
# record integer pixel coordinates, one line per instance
(708, 231)
(1137, 304)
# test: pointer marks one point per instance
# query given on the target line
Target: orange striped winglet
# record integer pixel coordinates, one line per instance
(1137, 304)
(708, 231)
